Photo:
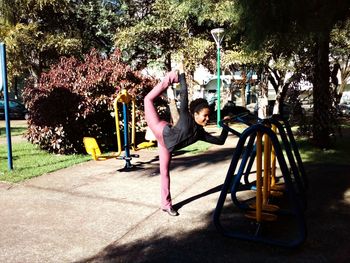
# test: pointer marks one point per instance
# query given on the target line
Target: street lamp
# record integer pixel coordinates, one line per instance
(218, 35)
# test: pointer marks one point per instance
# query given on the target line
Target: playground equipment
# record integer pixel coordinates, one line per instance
(150, 140)
(91, 144)
(273, 207)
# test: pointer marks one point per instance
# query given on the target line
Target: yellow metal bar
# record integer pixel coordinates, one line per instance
(124, 97)
(273, 161)
(90, 143)
(117, 127)
(262, 208)
(267, 164)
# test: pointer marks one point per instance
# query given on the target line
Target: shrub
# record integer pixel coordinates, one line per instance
(75, 99)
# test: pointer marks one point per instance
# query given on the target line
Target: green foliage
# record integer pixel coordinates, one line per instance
(22, 38)
(75, 99)
(15, 131)
(239, 56)
(173, 28)
(339, 51)
(289, 27)
(97, 21)
(38, 33)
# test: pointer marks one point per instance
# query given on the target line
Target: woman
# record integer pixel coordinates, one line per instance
(187, 130)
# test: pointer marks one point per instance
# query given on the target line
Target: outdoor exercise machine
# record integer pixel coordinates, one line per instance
(91, 145)
(283, 130)
(273, 212)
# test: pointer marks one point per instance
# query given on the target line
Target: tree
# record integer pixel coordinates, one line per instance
(172, 27)
(37, 33)
(75, 99)
(290, 24)
(339, 51)
(168, 28)
(158, 32)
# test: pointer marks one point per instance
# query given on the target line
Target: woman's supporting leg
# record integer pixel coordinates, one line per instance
(164, 165)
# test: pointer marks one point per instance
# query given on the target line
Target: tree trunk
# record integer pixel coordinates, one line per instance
(322, 116)
(243, 95)
(172, 102)
(167, 62)
(280, 98)
(263, 102)
(344, 76)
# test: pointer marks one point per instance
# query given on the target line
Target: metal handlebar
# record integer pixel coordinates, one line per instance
(245, 118)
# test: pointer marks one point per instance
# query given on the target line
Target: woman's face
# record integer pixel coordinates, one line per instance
(202, 117)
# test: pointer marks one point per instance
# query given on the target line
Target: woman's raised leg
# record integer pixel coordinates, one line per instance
(151, 115)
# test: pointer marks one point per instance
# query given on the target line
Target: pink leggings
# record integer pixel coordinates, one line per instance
(157, 125)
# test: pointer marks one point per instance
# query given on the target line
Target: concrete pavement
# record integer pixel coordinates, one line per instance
(75, 213)
(94, 213)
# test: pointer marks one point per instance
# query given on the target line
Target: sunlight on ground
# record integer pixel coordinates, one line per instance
(347, 196)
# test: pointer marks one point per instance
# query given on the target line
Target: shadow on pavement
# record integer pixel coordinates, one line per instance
(327, 216)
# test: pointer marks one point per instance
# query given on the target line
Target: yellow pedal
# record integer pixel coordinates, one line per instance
(144, 145)
(278, 187)
(267, 207)
(264, 216)
(276, 193)
(91, 147)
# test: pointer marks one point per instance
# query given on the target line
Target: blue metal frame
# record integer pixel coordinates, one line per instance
(299, 178)
(127, 157)
(290, 148)
(295, 149)
(293, 183)
(126, 137)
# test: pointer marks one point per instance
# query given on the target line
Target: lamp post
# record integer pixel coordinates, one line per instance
(218, 35)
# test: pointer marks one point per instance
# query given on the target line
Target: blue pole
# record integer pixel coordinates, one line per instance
(6, 106)
(249, 76)
(126, 137)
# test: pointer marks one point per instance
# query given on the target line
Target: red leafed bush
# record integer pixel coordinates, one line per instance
(75, 99)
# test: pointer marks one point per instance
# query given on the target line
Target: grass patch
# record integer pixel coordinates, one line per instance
(197, 147)
(340, 154)
(29, 161)
(15, 131)
(18, 127)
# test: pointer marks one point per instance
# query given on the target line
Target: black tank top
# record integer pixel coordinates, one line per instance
(187, 131)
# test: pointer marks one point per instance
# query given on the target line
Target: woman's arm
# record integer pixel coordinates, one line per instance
(220, 140)
(183, 93)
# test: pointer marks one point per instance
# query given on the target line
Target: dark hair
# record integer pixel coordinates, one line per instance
(198, 104)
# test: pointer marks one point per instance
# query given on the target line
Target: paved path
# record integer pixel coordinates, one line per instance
(94, 213)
